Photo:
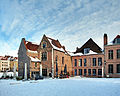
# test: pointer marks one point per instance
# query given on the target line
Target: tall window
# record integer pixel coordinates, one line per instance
(75, 62)
(85, 61)
(85, 72)
(35, 64)
(80, 71)
(110, 54)
(94, 72)
(118, 53)
(100, 72)
(75, 72)
(118, 68)
(94, 61)
(62, 60)
(99, 61)
(86, 50)
(56, 58)
(89, 72)
(80, 62)
(44, 56)
(110, 68)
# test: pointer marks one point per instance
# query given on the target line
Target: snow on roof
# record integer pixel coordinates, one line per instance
(32, 51)
(91, 52)
(54, 47)
(80, 54)
(34, 59)
(76, 54)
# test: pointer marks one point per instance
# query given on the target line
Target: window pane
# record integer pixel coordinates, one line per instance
(94, 61)
(94, 72)
(80, 62)
(80, 71)
(85, 61)
(85, 72)
(89, 72)
(75, 72)
(44, 56)
(99, 71)
(118, 53)
(118, 68)
(75, 62)
(110, 54)
(100, 61)
(62, 60)
(110, 68)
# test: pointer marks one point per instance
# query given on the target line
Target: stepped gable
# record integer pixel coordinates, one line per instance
(89, 44)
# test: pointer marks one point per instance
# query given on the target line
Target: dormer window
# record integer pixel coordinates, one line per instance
(117, 41)
(86, 50)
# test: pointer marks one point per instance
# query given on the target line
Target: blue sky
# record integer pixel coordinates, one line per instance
(72, 22)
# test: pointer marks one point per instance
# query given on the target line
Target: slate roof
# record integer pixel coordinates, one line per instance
(89, 44)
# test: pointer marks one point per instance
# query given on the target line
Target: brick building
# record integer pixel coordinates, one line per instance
(112, 56)
(28, 54)
(88, 60)
(50, 58)
(50, 54)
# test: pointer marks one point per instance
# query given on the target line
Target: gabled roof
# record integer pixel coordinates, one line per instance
(118, 36)
(89, 44)
(30, 45)
(56, 45)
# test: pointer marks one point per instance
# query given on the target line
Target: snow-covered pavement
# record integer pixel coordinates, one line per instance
(62, 87)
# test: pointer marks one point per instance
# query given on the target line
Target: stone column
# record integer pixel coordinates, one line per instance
(25, 72)
(40, 69)
(14, 70)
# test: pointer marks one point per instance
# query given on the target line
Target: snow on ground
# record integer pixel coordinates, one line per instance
(74, 86)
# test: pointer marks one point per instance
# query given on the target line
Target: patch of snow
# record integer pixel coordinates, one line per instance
(74, 86)
(91, 52)
(34, 59)
(8, 74)
(54, 47)
(31, 51)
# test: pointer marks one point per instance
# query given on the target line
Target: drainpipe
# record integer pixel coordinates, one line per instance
(52, 63)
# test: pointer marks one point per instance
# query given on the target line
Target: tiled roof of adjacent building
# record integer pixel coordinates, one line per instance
(30, 45)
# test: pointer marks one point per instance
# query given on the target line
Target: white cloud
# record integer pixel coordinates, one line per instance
(73, 22)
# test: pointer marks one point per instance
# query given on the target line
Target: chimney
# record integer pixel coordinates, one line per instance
(105, 39)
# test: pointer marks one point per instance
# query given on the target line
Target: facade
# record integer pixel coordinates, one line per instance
(54, 57)
(88, 61)
(28, 62)
(7, 63)
(50, 55)
(50, 58)
(112, 57)
(13, 64)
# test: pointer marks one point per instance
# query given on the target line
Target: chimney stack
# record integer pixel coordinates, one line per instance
(105, 39)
